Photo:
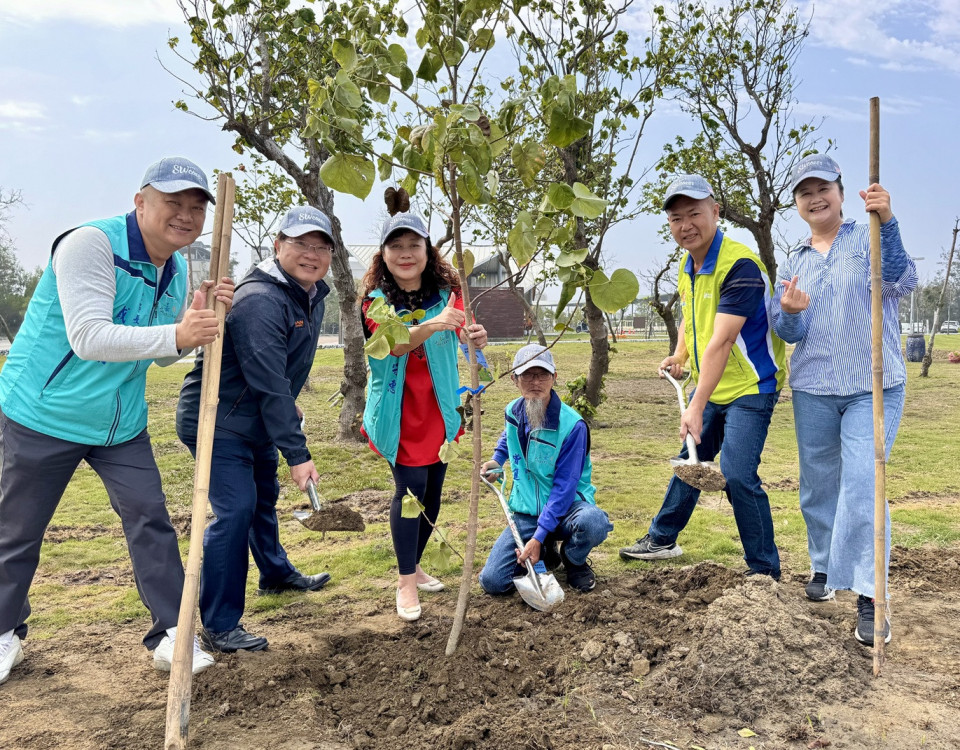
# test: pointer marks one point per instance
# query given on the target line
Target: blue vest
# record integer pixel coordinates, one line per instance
(533, 469)
(381, 417)
(48, 388)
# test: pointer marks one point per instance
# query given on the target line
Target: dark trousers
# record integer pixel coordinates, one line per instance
(410, 535)
(243, 494)
(34, 472)
(737, 431)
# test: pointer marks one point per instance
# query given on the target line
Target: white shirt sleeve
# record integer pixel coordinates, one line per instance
(86, 285)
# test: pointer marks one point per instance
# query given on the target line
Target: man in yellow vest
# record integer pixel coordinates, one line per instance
(738, 368)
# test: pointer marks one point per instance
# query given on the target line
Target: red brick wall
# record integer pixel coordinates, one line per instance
(500, 312)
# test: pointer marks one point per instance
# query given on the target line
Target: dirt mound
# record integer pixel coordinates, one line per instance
(925, 568)
(760, 651)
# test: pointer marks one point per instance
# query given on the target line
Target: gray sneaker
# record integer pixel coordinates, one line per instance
(647, 549)
(817, 590)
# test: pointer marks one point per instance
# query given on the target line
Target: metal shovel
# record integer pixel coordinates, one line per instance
(538, 588)
(703, 475)
(332, 518)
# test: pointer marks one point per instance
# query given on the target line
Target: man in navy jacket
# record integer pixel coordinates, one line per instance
(268, 350)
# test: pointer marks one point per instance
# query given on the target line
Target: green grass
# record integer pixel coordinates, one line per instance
(635, 435)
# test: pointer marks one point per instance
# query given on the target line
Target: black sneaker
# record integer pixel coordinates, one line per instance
(866, 615)
(647, 549)
(580, 577)
(551, 555)
(817, 590)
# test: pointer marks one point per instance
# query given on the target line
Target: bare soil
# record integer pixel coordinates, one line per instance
(682, 656)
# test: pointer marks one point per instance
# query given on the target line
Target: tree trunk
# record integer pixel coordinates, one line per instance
(765, 249)
(6, 329)
(599, 351)
(928, 357)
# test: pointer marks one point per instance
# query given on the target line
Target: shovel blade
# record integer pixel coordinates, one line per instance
(543, 597)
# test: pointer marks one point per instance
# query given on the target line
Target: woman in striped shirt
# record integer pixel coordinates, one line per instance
(822, 304)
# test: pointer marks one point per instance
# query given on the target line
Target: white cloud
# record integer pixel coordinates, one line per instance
(82, 101)
(11, 110)
(832, 111)
(904, 35)
(118, 13)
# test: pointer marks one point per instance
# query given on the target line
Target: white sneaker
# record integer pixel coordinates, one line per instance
(11, 654)
(163, 654)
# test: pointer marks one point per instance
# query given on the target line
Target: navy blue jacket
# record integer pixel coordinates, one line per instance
(268, 350)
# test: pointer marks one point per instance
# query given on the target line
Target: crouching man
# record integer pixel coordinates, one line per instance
(552, 500)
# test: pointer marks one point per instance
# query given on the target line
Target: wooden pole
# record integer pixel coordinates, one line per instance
(466, 580)
(879, 446)
(181, 671)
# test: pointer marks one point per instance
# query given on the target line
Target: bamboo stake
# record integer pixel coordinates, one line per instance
(879, 447)
(181, 671)
(466, 581)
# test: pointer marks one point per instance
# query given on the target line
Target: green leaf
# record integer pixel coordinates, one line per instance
(483, 39)
(560, 195)
(585, 204)
(377, 347)
(528, 159)
(398, 54)
(566, 294)
(521, 241)
(410, 507)
(406, 78)
(430, 65)
(349, 173)
(493, 182)
(448, 451)
(379, 93)
(484, 374)
(469, 112)
(345, 53)
(572, 258)
(566, 128)
(615, 293)
(438, 557)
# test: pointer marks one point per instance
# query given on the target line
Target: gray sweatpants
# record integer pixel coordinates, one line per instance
(34, 472)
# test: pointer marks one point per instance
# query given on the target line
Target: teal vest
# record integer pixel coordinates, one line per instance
(381, 417)
(533, 471)
(45, 386)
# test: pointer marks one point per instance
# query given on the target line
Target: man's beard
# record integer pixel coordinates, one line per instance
(536, 409)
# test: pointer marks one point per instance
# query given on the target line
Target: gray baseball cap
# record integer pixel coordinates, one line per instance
(302, 219)
(173, 174)
(820, 166)
(404, 220)
(538, 356)
(690, 185)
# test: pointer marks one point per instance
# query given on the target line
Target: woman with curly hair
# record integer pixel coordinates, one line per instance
(412, 398)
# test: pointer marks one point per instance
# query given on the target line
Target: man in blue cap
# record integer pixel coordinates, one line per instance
(737, 364)
(112, 299)
(552, 500)
(268, 350)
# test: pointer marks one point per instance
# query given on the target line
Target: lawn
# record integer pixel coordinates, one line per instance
(84, 556)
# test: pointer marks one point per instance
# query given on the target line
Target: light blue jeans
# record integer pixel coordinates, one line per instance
(835, 441)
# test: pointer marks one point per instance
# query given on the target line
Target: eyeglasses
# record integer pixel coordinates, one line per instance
(531, 376)
(301, 247)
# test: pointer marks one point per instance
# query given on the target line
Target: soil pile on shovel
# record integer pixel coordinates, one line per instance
(761, 651)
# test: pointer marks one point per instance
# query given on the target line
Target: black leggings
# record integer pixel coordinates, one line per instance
(410, 535)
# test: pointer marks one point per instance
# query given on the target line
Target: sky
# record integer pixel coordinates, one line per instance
(85, 107)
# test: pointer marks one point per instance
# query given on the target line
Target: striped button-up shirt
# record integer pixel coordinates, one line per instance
(832, 335)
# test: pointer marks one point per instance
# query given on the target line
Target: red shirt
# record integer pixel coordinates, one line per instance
(422, 432)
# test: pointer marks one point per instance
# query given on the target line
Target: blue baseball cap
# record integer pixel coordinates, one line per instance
(820, 166)
(690, 185)
(533, 355)
(405, 220)
(302, 219)
(173, 174)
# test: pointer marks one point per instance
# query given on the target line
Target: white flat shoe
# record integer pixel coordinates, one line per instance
(432, 586)
(410, 614)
